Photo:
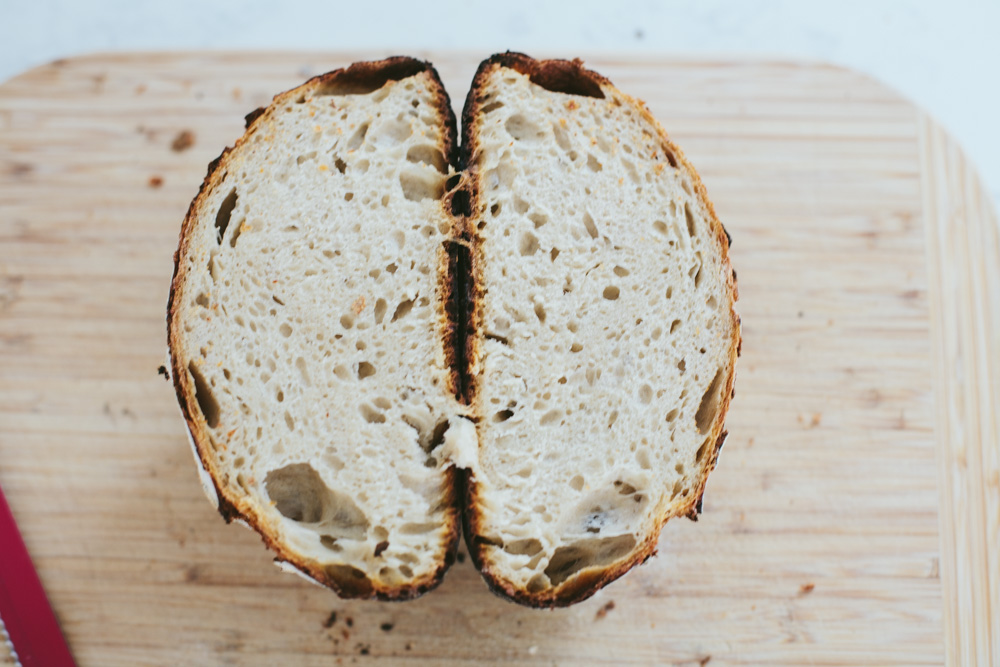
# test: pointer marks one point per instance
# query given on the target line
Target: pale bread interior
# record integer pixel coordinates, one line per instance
(311, 324)
(607, 325)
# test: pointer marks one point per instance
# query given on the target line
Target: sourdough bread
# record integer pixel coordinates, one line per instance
(604, 334)
(375, 335)
(307, 329)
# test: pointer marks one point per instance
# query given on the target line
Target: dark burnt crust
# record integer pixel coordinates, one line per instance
(587, 582)
(231, 507)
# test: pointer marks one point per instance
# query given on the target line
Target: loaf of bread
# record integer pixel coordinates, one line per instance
(603, 331)
(377, 336)
(307, 329)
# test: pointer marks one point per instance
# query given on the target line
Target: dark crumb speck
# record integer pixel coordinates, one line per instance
(364, 649)
(603, 611)
(330, 620)
(183, 141)
(162, 370)
(387, 627)
(409, 646)
(349, 621)
(805, 589)
(380, 547)
(704, 660)
(155, 181)
(460, 557)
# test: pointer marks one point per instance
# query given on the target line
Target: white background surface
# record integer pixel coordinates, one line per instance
(944, 54)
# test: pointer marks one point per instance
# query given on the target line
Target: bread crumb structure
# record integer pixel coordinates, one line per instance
(375, 335)
(606, 329)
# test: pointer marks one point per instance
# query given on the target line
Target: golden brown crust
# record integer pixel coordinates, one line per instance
(346, 581)
(568, 77)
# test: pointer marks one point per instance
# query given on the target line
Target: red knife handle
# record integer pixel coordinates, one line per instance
(24, 609)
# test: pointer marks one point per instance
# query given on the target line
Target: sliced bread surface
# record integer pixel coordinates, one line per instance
(603, 330)
(309, 332)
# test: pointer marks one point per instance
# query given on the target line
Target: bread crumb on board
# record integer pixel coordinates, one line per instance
(183, 141)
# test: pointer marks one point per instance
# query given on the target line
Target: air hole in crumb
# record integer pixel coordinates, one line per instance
(365, 370)
(575, 347)
(492, 106)
(203, 395)
(577, 483)
(402, 310)
(553, 254)
(380, 308)
(689, 217)
(421, 185)
(522, 128)
(612, 418)
(621, 271)
(538, 219)
(551, 417)
(429, 155)
(709, 406)
(371, 414)
(642, 458)
(341, 166)
(202, 300)
(330, 543)
(348, 196)
(357, 138)
(672, 415)
(346, 321)
(300, 494)
(537, 583)
(528, 245)
(670, 292)
(595, 552)
(681, 365)
(289, 421)
(593, 163)
(624, 488)
(224, 214)
(591, 226)
(645, 393)
(540, 312)
(674, 325)
(611, 293)
(525, 547)
(502, 416)
(285, 329)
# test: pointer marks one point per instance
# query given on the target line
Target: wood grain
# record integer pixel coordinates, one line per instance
(836, 530)
(963, 249)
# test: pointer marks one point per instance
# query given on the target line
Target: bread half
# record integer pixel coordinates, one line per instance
(603, 330)
(309, 330)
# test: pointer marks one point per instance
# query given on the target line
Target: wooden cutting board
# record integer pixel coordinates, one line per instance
(855, 514)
